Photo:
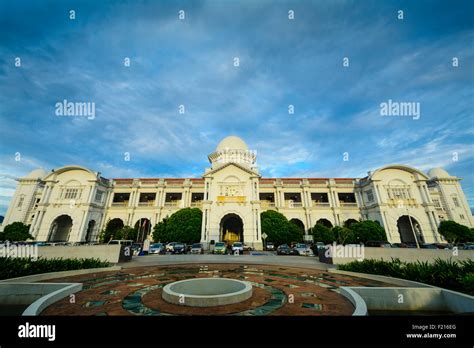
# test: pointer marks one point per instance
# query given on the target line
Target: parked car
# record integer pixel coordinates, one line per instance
(399, 245)
(378, 244)
(428, 246)
(284, 249)
(220, 248)
(169, 246)
(196, 248)
(179, 248)
(136, 248)
(121, 242)
(247, 247)
(443, 246)
(270, 246)
(469, 247)
(303, 249)
(157, 248)
(238, 247)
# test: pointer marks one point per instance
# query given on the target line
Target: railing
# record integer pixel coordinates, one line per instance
(291, 204)
(120, 204)
(146, 204)
(318, 204)
(173, 204)
(267, 204)
(196, 204)
(348, 204)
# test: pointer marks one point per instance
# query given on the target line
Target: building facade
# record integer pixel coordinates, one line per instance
(74, 203)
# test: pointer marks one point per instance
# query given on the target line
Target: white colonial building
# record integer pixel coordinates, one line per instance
(74, 203)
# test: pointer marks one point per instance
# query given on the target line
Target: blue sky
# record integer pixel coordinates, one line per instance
(190, 62)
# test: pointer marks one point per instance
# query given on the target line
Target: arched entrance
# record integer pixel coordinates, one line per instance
(231, 229)
(408, 227)
(90, 230)
(143, 226)
(324, 222)
(298, 223)
(60, 229)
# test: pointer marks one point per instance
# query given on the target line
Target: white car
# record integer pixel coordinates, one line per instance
(303, 249)
(170, 246)
(238, 247)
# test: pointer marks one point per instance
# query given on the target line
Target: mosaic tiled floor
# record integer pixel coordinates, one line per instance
(276, 291)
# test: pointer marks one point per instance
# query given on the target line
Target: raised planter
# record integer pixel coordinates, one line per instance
(207, 292)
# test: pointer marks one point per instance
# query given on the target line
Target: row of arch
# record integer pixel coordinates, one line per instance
(231, 228)
(408, 227)
(61, 228)
(324, 222)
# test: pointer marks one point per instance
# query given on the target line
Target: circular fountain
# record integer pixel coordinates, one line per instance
(207, 292)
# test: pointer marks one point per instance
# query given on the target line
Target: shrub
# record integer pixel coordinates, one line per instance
(449, 274)
(19, 267)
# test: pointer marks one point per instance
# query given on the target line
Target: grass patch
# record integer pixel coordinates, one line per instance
(448, 274)
(20, 267)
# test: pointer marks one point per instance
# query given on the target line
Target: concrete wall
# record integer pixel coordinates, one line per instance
(108, 253)
(413, 299)
(408, 255)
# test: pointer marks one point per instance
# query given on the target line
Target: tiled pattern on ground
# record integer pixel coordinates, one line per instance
(276, 291)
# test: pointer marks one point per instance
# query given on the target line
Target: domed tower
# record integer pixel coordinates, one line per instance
(448, 197)
(232, 149)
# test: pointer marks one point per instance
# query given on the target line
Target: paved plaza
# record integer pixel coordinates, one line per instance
(278, 289)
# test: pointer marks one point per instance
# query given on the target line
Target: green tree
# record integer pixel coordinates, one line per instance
(127, 233)
(183, 226)
(110, 230)
(278, 229)
(454, 232)
(323, 234)
(159, 231)
(343, 235)
(16, 232)
(295, 231)
(367, 230)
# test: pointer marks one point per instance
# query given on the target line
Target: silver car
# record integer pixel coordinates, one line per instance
(157, 248)
(196, 248)
(303, 249)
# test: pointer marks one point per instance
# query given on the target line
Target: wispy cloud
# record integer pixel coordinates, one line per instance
(190, 63)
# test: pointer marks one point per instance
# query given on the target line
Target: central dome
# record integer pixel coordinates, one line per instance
(36, 174)
(438, 173)
(232, 143)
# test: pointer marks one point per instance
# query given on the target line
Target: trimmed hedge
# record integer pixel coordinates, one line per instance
(448, 274)
(18, 267)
